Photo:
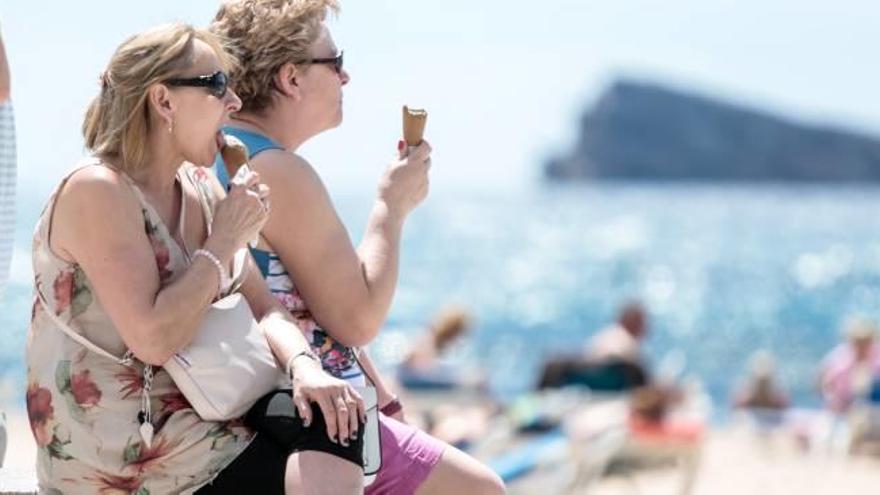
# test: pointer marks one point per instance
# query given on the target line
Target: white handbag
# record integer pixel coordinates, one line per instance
(222, 372)
(228, 365)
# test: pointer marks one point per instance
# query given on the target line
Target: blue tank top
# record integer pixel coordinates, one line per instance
(338, 360)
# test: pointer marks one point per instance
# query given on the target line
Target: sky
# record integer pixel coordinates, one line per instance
(504, 81)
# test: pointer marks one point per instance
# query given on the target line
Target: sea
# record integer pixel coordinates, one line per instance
(724, 270)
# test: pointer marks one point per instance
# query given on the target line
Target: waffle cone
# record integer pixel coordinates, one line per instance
(234, 154)
(414, 121)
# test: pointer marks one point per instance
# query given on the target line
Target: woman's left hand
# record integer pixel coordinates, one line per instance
(342, 406)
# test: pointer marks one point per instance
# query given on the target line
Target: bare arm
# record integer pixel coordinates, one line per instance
(310, 382)
(5, 79)
(348, 291)
(99, 225)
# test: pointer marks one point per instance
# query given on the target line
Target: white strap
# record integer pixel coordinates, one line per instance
(124, 360)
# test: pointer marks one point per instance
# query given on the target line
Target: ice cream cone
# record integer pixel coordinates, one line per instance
(234, 154)
(414, 121)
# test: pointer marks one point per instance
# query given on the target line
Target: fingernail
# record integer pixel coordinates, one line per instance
(354, 435)
(333, 439)
(345, 443)
(400, 145)
(306, 423)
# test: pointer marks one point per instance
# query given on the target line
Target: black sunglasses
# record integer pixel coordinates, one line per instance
(216, 83)
(336, 62)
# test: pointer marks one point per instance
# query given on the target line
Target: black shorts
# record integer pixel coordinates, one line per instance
(261, 466)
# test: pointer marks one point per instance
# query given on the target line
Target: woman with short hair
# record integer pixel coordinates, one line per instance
(290, 81)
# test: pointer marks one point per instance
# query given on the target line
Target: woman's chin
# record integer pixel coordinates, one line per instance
(204, 160)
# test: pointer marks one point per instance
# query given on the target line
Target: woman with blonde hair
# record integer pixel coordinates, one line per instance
(129, 253)
(290, 82)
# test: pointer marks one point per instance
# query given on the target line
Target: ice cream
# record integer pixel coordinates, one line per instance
(235, 154)
(414, 121)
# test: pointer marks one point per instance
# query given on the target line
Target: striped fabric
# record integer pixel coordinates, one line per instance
(7, 189)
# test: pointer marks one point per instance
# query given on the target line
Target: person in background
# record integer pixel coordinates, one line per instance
(761, 390)
(7, 162)
(621, 341)
(423, 368)
(5, 78)
(612, 360)
(851, 369)
(7, 168)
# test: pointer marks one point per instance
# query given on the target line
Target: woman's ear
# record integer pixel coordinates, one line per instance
(286, 81)
(162, 103)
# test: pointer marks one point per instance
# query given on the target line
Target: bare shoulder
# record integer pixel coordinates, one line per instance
(288, 171)
(95, 201)
(95, 189)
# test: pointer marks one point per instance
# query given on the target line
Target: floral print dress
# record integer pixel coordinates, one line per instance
(83, 407)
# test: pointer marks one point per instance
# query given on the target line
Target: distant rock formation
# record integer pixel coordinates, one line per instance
(643, 131)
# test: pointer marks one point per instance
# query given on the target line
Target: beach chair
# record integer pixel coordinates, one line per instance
(572, 457)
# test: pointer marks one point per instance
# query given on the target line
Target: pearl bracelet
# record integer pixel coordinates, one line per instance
(224, 278)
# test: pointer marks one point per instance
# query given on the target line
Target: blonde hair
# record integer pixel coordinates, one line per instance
(117, 121)
(264, 35)
(449, 324)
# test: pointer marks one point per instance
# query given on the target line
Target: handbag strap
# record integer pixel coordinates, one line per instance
(125, 360)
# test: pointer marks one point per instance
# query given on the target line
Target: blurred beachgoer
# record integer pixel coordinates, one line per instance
(621, 341)
(424, 371)
(612, 360)
(5, 77)
(761, 390)
(850, 371)
(423, 368)
(291, 80)
(7, 169)
(142, 240)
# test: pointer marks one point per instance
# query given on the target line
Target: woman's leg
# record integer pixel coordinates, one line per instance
(319, 473)
(461, 474)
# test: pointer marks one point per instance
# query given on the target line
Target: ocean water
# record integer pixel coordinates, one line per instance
(724, 271)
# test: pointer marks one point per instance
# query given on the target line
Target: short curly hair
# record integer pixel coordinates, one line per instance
(264, 35)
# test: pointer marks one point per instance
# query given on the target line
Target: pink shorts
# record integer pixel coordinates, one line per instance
(408, 456)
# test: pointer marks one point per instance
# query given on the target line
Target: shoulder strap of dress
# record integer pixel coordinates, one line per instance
(207, 209)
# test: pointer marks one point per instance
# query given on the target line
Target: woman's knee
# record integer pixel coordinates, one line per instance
(460, 473)
(489, 483)
(319, 473)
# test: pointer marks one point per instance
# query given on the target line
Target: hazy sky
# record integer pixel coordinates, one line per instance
(504, 81)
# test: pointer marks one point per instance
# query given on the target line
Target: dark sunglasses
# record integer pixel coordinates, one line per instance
(335, 62)
(216, 83)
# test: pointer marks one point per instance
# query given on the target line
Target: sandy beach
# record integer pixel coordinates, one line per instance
(733, 462)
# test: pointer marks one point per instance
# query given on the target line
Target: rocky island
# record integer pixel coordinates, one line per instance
(643, 131)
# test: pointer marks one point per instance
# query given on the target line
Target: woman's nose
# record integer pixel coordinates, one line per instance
(233, 103)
